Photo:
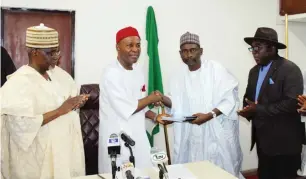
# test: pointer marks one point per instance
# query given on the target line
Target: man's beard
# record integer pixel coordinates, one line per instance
(191, 62)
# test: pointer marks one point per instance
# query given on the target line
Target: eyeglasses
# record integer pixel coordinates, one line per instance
(256, 48)
(52, 53)
(56, 55)
(192, 50)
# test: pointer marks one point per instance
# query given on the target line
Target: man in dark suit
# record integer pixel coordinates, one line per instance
(7, 65)
(271, 104)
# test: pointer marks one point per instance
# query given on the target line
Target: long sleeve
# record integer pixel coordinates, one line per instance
(22, 130)
(229, 101)
(18, 111)
(226, 91)
(293, 86)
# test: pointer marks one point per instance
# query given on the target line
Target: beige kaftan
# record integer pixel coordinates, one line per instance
(32, 151)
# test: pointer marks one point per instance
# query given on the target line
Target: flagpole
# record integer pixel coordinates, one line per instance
(166, 136)
(286, 35)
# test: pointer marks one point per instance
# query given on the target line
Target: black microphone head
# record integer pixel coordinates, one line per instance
(126, 138)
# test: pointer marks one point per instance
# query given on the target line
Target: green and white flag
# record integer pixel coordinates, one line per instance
(155, 76)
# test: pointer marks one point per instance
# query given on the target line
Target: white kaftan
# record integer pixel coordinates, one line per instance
(217, 140)
(68, 85)
(29, 150)
(120, 92)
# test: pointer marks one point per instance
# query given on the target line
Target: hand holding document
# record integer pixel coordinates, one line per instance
(160, 117)
(179, 119)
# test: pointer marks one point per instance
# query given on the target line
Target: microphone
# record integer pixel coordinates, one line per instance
(126, 138)
(127, 170)
(128, 143)
(159, 158)
(113, 145)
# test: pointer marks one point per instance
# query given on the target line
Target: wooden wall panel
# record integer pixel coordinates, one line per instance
(291, 7)
(15, 23)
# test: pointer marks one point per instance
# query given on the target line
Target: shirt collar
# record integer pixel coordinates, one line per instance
(266, 66)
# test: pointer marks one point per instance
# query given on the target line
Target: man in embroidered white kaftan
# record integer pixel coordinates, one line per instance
(67, 83)
(41, 135)
(123, 103)
(204, 89)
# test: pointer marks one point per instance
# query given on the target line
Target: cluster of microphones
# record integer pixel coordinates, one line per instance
(158, 157)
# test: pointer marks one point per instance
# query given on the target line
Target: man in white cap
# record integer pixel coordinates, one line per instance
(206, 90)
(41, 134)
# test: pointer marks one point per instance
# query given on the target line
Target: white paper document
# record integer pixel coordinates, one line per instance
(179, 172)
(174, 119)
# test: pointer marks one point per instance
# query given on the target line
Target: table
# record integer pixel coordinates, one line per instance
(201, 170)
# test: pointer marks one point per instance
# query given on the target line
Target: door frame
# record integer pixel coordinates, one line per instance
(70, 12)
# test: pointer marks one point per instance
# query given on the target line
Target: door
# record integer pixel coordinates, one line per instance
(16, 21)
(291, 7)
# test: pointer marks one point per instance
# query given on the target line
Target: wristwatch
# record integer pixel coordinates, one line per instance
(214, 114)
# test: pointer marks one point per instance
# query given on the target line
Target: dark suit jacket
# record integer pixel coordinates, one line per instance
(276, 126)
(7, 65)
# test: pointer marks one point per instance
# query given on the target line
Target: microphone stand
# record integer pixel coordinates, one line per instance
(163, 172)
(129, 175)
(114, 166)
(132, 158)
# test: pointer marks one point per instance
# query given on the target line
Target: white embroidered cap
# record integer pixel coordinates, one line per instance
(41, 37)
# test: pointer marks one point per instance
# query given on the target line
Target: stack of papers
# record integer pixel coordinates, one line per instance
(179, 172)
(174, 119)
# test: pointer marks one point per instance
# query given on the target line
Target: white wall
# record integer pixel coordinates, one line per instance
(221, 25)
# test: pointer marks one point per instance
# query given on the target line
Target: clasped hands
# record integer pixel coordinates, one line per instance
(159, 97)
(249, 110)
(156, 98)
(73, 103)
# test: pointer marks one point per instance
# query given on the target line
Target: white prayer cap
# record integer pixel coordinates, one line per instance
(41, 37)
(189, 38)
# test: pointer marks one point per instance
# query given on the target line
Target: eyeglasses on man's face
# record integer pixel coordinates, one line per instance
(256, 48)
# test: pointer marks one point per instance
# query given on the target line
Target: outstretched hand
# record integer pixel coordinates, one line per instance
(159, 103)
(161, 121)
(163, 114)
(201, 118)
(154, 97)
